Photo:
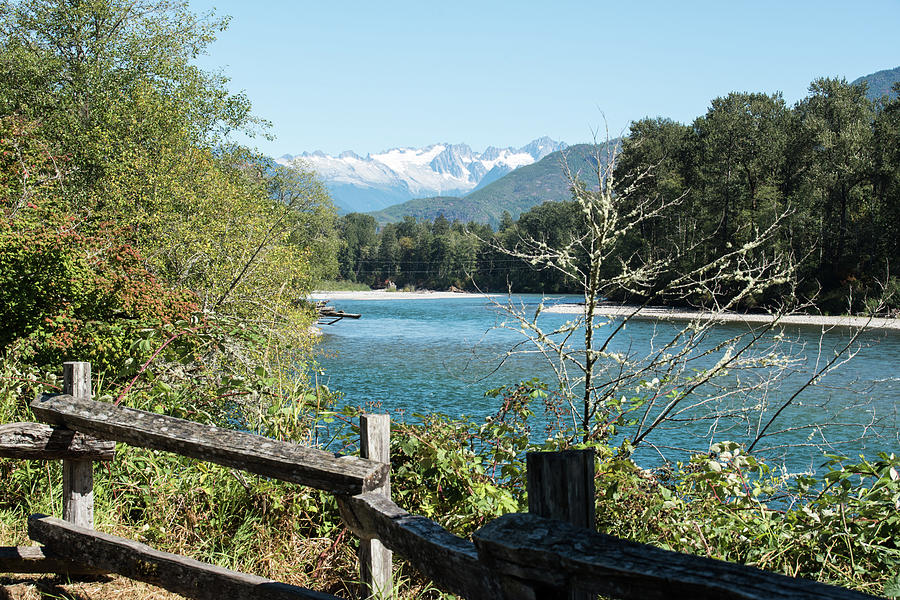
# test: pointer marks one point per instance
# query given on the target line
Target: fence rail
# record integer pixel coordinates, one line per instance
(553, 557)
(175, 573)
(43, 442)
(252, 453)
(448, 560)
(551, 552)
(34, 559)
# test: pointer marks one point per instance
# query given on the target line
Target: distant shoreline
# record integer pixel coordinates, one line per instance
(386, 295)
(680, 314)
(653, 312)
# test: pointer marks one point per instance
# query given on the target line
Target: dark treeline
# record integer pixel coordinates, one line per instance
(439, 254)
(826, 171)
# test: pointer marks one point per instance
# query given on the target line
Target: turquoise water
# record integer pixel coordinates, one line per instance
(440, 355)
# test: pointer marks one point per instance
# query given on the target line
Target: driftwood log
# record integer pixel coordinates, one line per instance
(175, 573)
(329, 312)
(450, 561)
(39, 441)
(252, 453)
(556, 556)
(34, 559)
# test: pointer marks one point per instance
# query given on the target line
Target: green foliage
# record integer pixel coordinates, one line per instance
(438, 472)
(68, 290)
(127, 210)
(114, 80)
(827, 164)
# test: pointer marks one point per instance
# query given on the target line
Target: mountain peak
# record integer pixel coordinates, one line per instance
(396, 175)
(542, 146)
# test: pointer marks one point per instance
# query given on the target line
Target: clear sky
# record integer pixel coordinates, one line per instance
(367, 76)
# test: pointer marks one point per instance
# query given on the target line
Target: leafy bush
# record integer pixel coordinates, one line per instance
(840, 526)
(68, 289)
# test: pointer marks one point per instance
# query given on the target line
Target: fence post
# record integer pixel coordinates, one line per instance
(374, 558)
(560, 486)
(78, 475)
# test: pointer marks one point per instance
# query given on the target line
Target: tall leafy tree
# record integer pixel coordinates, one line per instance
(358, 237)
(145, 137)
(836, 122)
(114, 80)
(885, 236)
(741, 140)
(656, 166)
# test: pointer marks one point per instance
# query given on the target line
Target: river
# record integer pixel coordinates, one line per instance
(408, 357)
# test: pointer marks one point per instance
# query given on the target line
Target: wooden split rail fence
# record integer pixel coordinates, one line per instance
(549, 552)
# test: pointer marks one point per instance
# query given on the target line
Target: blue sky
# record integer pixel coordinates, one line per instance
(367, 76)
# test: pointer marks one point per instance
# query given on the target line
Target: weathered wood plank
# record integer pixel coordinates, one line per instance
(252, 453)
(558, 554)
(78, 475)
(43, 442)
(78, 492)
(34, 559)
(175, 573)
(375, 561)
(450, 561)
(561, 486)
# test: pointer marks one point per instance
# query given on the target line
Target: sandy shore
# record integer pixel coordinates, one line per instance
(651, 312)
(674, 314)
(386, 295)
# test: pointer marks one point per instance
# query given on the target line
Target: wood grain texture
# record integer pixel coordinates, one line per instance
(375, 560)
(43, 442)
(559, 555)
(561, 486)
(449, 561)
(78, 475)
(34, 559)
(175, 573)
(78, 492)
(77, 379)
(245, 451)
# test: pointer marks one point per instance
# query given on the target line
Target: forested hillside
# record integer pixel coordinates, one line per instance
(880, 83)
(825, 173)
(514, 193)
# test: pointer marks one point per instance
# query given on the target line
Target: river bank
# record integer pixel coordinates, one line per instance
(386, 295)
(647, 313)
(680, 314)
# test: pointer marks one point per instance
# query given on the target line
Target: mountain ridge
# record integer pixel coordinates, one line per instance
(880, 83)
(542, 181)
(397, 175)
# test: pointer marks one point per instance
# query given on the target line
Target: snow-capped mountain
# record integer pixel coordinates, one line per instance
(401, 174)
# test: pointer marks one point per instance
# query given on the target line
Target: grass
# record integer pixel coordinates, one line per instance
(281, 531)
(294, 534)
